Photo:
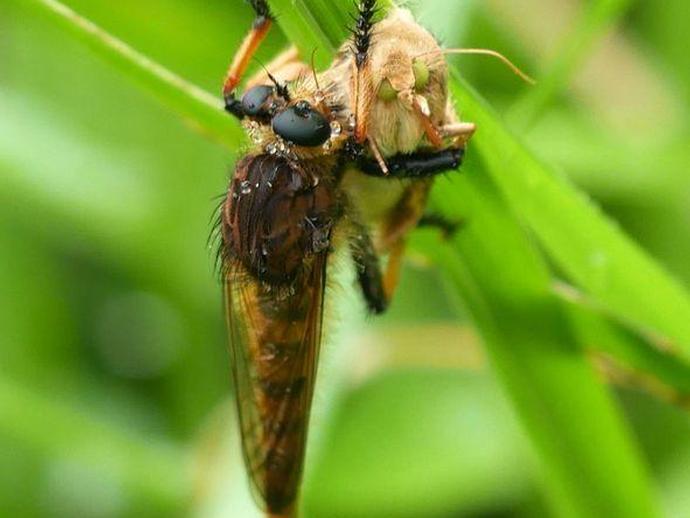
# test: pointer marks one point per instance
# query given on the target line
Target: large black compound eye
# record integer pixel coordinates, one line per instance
(302, 125)
(256, 100)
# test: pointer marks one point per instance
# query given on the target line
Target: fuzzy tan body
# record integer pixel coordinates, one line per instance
(395, 126)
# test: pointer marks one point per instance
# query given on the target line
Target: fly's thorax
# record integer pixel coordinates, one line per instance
(278, 214)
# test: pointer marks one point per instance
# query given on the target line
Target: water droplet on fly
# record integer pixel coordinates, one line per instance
(336, 129)
(245, 187)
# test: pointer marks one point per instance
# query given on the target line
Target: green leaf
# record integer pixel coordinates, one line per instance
(562, 405)
(200, 109)
(591, 249)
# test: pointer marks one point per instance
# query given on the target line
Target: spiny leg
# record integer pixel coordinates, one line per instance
(447, 226)
(262, 24)
(368, 270)
(362, 34)
(415, 165)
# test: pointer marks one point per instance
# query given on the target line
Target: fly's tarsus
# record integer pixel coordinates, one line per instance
(368, 267)
(416, 165)
(261, 9)
(362, 31)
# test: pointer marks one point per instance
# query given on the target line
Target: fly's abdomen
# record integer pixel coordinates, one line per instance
(284, 364)
(277, 224)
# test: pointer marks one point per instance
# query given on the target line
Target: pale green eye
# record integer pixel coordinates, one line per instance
(386, 91)
(421, 74)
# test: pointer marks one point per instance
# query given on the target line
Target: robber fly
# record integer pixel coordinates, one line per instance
(380, 112)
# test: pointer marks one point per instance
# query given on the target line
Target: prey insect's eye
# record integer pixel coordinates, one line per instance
(386, 91)
(421, 74)
(255, 100)
(302, 125)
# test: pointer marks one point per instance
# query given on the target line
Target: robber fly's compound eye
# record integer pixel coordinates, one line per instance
(256, 100)
(302, 125)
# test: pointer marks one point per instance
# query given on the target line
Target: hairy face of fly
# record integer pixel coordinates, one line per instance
(295, 122)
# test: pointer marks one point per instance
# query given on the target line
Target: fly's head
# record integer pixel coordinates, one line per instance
(298, 120)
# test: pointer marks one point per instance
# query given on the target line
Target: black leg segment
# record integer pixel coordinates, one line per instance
(263, 12)
(415, 165)
(362, 31)
(447, 227)
(368, 270)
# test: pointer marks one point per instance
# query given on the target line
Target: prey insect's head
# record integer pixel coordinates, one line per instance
(403, 77)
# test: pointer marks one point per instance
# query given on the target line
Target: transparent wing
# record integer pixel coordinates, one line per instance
(275, 337)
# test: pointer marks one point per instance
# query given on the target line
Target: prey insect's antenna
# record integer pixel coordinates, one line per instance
(488, 52)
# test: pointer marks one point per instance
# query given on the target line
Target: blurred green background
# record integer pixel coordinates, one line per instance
(114, 379)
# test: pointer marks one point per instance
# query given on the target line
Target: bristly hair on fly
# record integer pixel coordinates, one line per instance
(281, 88)
(214, 242)
(362, 31)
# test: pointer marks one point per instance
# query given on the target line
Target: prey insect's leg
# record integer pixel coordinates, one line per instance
(368, 270)
(260, 28)
(460, 132)
(415, 165)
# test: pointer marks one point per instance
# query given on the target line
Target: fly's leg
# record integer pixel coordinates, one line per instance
(362, 34)
(447, 227)
(415, 165)
(391, 278)
(368, 266)
(261, 26)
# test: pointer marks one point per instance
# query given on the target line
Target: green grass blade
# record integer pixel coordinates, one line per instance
(599, 258)
(200, 109)
(562, 405)
(652, 367)
(596, 18)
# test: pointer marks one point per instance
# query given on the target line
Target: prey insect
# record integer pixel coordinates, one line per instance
(342, 159)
